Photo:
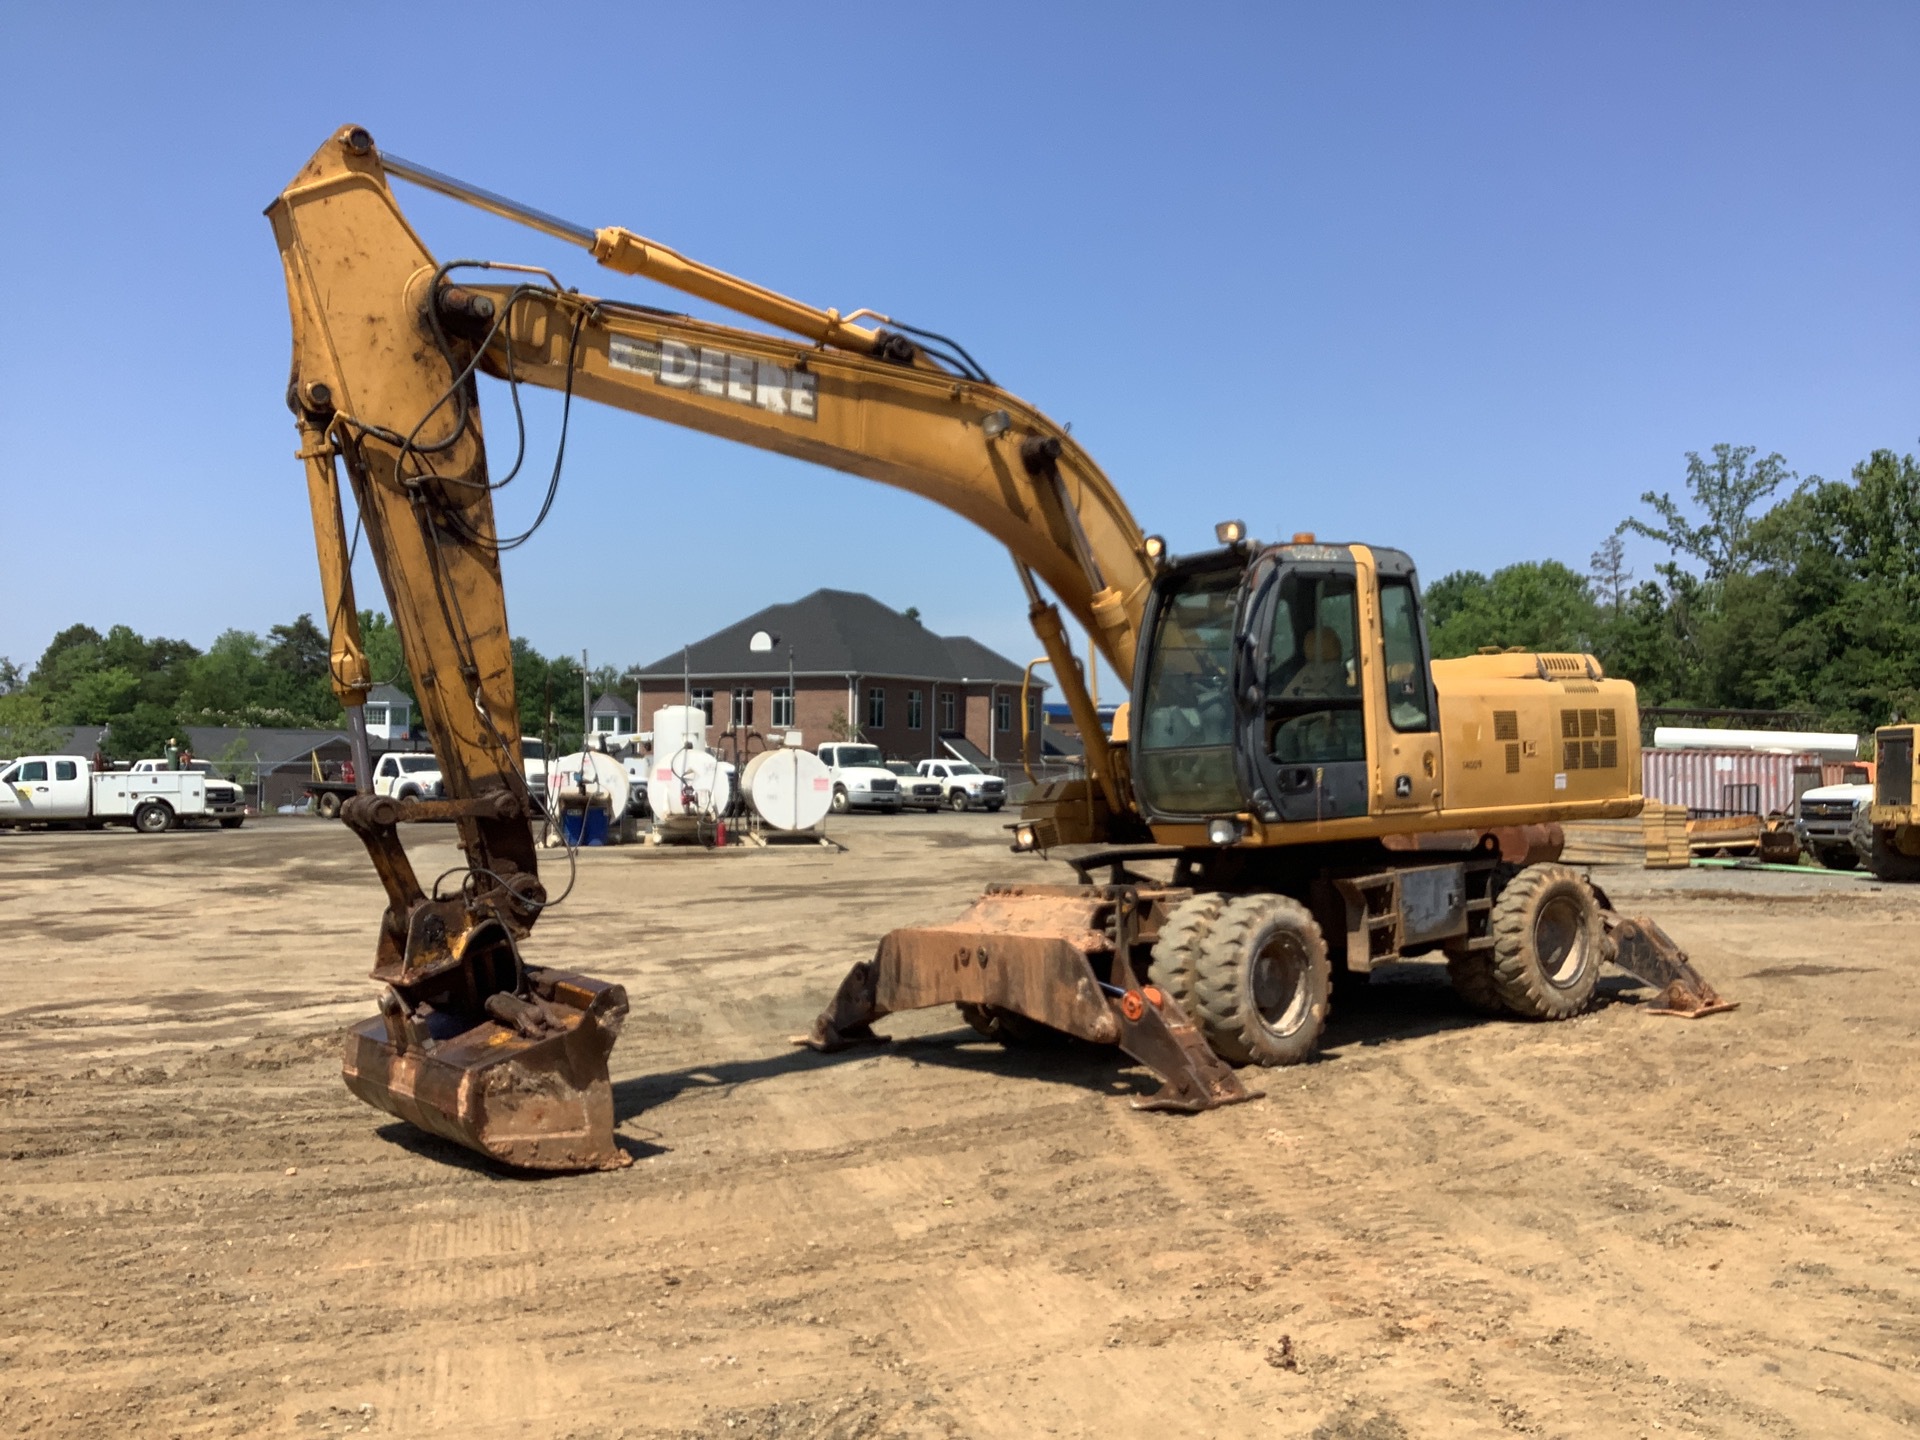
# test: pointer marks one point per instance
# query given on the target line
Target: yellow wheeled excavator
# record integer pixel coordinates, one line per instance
(1296, 791)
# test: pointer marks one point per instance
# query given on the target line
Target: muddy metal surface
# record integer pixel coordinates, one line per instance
(1447, 1227)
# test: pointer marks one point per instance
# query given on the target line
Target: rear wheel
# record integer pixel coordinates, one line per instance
(1176, 954)
(1262, 983)
(152, 818)
(1471, 972)
(327, 805)
(840, 802)
(1546, 943)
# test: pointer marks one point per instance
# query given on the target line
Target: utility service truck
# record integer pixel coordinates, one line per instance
(67, 790)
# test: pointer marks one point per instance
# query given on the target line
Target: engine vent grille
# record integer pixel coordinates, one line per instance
(1590, 740)
(1506, 724)
(1513, 758)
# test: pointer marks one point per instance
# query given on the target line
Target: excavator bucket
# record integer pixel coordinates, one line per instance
(1641, 948)
(527, 1085)
(1061, 955)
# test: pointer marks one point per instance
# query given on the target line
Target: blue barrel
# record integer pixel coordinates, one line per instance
(584, 827)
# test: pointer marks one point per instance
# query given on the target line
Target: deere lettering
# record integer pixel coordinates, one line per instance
(718, 373)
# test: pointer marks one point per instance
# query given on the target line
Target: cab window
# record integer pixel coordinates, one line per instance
(13, 774)
(32, 770)
(1184, 734)
(65, 770)
(1314, 713)
(1409, 706)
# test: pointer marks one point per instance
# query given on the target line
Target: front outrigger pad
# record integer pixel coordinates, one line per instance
(527, 1086)
(1032, 950)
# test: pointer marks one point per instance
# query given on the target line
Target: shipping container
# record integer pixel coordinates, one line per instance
(1723, 782)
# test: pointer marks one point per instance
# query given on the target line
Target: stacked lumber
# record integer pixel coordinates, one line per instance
(1656, 839)
(1731, 834)
(1665, 829)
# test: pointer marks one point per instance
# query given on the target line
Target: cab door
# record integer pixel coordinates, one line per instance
(1404, 717)
(67, 797)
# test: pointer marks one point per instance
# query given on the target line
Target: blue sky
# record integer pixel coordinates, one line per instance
(1464, 279)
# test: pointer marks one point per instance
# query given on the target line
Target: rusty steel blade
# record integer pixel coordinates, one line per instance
(1641, 948)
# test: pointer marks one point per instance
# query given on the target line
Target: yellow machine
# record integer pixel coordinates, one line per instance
(1322, 796)
(1891, 839)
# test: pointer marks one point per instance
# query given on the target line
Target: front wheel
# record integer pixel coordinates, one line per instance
(233, 822)
(152, 818)
(958, 800)
(841, 804)
(1262, 984)
(1893, 860)
(1546, 943)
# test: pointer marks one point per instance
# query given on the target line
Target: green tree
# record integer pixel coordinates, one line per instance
(1536, 604)
(1725, 490)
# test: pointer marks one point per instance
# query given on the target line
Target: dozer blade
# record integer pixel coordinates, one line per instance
(1646, 952)
(1032, 951)
(527, 1086)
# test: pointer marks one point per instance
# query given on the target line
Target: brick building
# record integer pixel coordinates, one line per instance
(855, 665)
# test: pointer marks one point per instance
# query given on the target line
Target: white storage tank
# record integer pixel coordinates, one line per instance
(589, 778)
(789, 789)
(687, 781)
(675, 727)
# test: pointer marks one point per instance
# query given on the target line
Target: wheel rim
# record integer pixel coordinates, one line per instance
(1278, 983)
(1560, 940)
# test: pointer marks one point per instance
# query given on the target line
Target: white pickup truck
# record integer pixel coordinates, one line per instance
(966, 784)
(65, 790)
(226, 802)
(408, 777)
(861, 780)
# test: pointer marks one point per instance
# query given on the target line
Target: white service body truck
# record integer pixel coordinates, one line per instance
(226, 801)
(966, 784)
(65, 790)
(861, 780)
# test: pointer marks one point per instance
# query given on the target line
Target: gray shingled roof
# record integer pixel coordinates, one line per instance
(611, 705)
(270, 744)
(838, 632)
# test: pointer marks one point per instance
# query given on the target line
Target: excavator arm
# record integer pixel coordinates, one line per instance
(471, 1042)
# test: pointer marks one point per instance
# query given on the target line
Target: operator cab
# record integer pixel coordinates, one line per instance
(1264, 676)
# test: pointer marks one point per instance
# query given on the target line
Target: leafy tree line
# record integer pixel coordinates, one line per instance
(1776, 593)
(148, 690)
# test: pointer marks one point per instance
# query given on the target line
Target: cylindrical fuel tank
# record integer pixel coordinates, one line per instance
(590, 777)
(788, 789)
(673, 773)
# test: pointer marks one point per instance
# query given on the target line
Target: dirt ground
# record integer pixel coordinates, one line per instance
(1449, 1226)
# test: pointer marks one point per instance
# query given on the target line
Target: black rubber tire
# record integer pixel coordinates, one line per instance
(1176, 953)
(232, 822)
(1009, 1029)
(408, 792)
(153, 818)
(841, 804)
(327, 805)
(1547, 943)
(1837, 857)
(1472, 975)
(958, 801)
(1262, 984)
(993, 807)
(1888, 863)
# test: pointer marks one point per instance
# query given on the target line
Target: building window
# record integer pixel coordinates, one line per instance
(913, 710)
(704, 699)
(783, 707)
(1003, 712)
(876, 707)
(743, 707)
(946, 711)
(377, 715)
(1033, 713)
(605, 724)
